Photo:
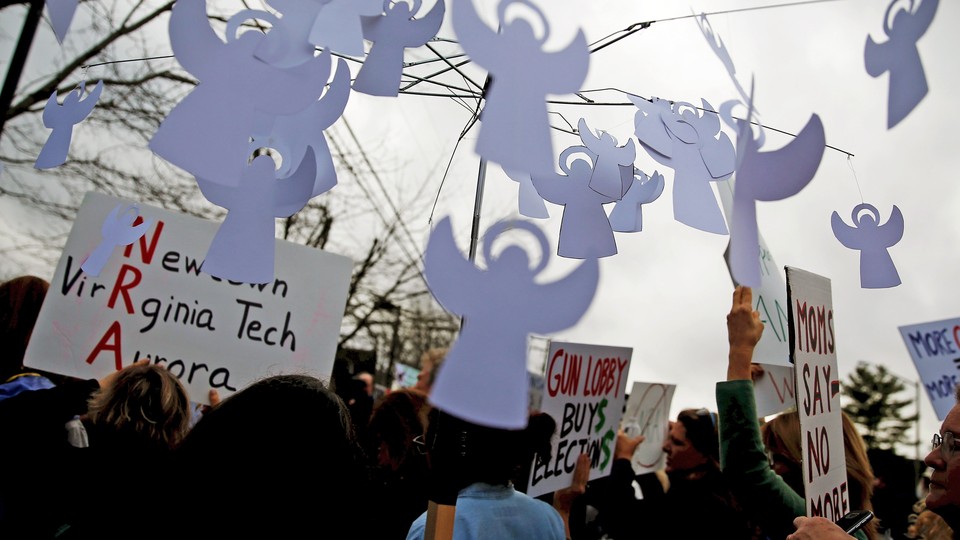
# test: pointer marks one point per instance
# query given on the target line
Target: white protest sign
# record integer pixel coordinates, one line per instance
(775, 390)
(648, 414)
(813, 346)
(585, 392)
(935, 349)
(151, 300)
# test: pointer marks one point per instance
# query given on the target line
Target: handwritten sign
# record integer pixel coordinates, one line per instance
(935, 349)
(152, 300)
(775, 391)
(584, 393)
(813, 346)
(648, 414)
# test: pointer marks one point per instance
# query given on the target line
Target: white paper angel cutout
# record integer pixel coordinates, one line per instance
(627, 214)
(514, 127)
(287, 43)
(767, 176)
(243, 248)
(338, 25)
(118, 229)
(877, 270)
(613, 170)
(291, 135)
(208, 132)
(696, 155)
(529, 202)
(484, 379)
(61, 119)
(391, 33)
(899, 56)
(61, 15)
(585, 231)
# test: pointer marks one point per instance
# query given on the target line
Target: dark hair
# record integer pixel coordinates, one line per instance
(281, 458)
(701, 427)
(20, 301)
(397, 419)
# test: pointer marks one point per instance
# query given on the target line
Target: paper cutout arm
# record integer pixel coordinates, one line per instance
(566, 299)
(846, 234)
(117, 230)
(569, 66)
(473, 34)
(649, 127)
(782, 173)
(447, 270)
(421, 30)
(921, 19)
(891, 232)
(295, 191)
(192, 39)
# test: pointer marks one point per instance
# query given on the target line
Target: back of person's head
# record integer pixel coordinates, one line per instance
(397, 419)
(782, 437)
(145, 404)
(280, 458)
(701, 431)
(20, 301)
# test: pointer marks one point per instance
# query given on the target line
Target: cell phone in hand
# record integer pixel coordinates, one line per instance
(852, 522)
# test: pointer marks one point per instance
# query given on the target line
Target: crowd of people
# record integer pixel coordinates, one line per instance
(129, 456)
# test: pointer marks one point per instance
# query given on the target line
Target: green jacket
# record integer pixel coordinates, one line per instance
(766, 498)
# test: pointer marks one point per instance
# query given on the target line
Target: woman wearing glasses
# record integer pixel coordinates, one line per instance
(773, 502)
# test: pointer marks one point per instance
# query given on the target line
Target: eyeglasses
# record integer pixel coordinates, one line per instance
(946, 443)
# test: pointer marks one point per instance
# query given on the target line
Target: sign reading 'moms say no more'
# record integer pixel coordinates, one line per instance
(584, 392)
(152, 301)
(813, 348)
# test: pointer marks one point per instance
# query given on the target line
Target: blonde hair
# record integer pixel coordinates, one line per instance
(782, 436)
(144, 401)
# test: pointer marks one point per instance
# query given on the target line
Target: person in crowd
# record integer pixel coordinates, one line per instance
(397, 461)
(69, 451)
(277, 459)
(430, 364)
(20, 301)
(771, 501)
(479, 464)
(894, 492)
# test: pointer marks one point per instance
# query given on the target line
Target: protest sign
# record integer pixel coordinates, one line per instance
(585, 387)
(775, 390)
(935, 349)
(151, 300)
(648, 414)
(813, 347)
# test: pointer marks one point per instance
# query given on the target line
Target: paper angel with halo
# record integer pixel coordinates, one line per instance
(627, 214)
(61, 119)
(613, 171)
(484, 377)
(877, 270)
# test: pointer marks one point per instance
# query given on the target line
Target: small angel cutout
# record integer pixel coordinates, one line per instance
(243, 248)
(208, 132)
(529, 202)
(695, 153)
(61, 119)
(767, 176)
(585, 231)
(391, 33)
(514, 127)
(627, 214)
(484, 379)
(613, 171)
(61, 15)
(117, 230)
(899, 56)
(877, 270)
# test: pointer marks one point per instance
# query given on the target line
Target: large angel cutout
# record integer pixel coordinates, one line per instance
(695, 153)
(627, 214)
(613, 171)
(585, 231)
(514, 127)
(877, 270)
(118, 229)
(61, 119)
(899, 56)
(529, 202)
(391, 33)
(767, 176)
(484, 377)
(243, 248)
(338, 25)
(291, 135)
(208, 132)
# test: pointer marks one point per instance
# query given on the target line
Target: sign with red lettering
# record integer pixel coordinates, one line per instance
(648, 414)
(774, 390)
(152, 300)
(935, 349)
(584, 392)
(813, 349)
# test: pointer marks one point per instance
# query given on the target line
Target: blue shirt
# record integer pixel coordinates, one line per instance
(485, 511)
